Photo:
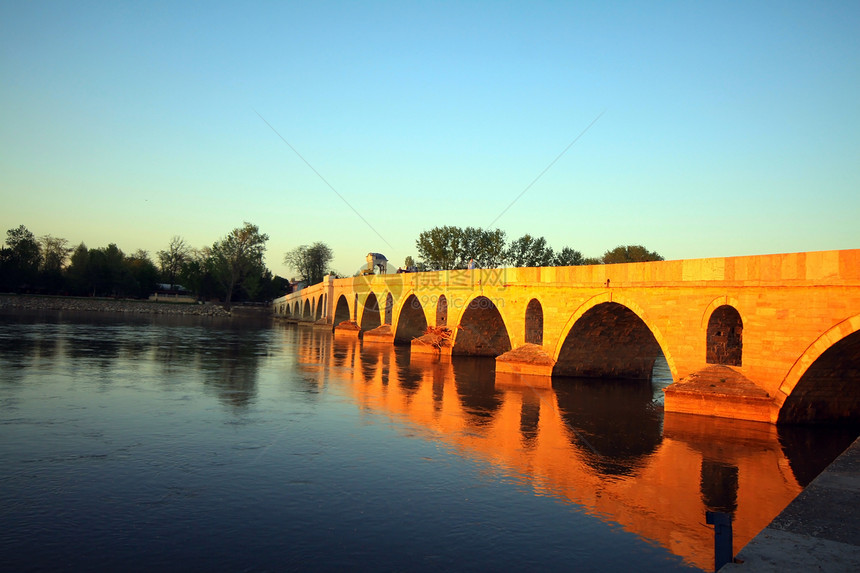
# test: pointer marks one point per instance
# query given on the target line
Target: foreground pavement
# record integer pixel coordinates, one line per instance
(818, 531)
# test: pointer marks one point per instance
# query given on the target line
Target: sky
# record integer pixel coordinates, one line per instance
(696, 129)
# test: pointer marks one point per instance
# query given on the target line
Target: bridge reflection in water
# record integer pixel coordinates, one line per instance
(604, 445)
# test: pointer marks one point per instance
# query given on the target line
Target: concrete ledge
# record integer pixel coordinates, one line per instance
(818, 531)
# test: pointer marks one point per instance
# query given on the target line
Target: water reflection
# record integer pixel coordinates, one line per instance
(227, 352)
(601, 444)
(614, 422)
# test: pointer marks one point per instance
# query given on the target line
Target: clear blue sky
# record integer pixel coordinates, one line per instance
(728, 128)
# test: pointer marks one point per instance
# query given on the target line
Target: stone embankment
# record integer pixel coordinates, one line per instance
(53, 303)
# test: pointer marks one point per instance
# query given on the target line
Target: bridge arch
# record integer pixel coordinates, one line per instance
(411, 321)
(442, 311)
(341, 311)
(534, 322)
(389, 308)
(370, 318)
(823, 385)
(482, 330)
(641, 340)
(307, 312)
(724, 341)
(318, 313)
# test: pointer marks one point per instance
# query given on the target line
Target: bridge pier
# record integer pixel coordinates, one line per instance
(720, 391)
(529, 359)
(347, 329)
(381, 334)
(436, 341)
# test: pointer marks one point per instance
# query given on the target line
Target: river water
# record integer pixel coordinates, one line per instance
(177, 444)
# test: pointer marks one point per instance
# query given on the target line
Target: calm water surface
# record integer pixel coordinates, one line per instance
(156, 443)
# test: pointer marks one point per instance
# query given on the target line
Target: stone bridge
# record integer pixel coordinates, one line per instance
(772, 338)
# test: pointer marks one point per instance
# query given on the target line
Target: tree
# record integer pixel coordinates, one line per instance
(568, 257)
(143, 272)
(485, 246)
(443, 248)
(528, 251)
(440, 248)
(78, 272)
(20, 259)
(630, 254)
(106, 272)
(408, 262)
(172, 260)
(55, 253)
(194, 275)
(237, 256)
(310, 262)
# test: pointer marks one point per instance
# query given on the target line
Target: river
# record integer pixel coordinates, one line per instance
(148, 443)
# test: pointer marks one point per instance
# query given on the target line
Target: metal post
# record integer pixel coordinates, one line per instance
(722, 523)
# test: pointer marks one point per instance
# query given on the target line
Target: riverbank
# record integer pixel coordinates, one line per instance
(86, 304)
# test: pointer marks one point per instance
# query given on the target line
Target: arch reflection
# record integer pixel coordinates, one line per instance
(604, 445)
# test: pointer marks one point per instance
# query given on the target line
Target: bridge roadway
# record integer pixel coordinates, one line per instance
(772, 338)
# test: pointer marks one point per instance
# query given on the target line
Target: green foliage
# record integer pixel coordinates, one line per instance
(232, 268)
(237, 256)
(172, 259)
(143, 272)
(448, 247)
(440, 247)
(310, 262)
(485, 246)
(78, 272)
(568, 257)
(528, 251)
(630, 254)
(20, 260)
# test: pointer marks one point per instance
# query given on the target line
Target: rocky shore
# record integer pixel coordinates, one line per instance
(80, 304)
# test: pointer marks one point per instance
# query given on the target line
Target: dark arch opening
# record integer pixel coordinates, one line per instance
(829, 390)
(534, 322)
(442, 311)
(608, 341)
(370, 314)
(482, 330)
(341, 311)
(412, 322)
(725, 337)
(389, 308)
(319, 313)
(306, 313)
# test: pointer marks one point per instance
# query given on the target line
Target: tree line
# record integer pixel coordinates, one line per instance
(445, 248)
(231, 269)
(449, 248)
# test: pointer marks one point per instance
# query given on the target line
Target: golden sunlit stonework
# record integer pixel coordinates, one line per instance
(772, 338)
